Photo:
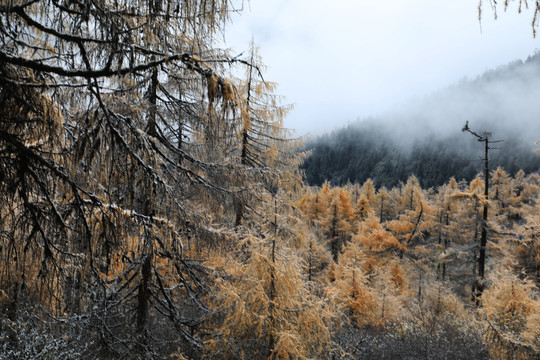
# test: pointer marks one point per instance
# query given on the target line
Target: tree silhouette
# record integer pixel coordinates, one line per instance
(479, 284)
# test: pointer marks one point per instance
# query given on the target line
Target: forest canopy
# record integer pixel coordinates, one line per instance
(152, 207)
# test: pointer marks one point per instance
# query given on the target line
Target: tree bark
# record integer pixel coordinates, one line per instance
(483, 237)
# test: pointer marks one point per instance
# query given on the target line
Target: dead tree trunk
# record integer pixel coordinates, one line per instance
(478, 286)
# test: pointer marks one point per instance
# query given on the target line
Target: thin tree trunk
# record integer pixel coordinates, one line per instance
(445, 244)
(143, 296)
(478, 287)
(381, 213)
(272, 297)
(483, 237)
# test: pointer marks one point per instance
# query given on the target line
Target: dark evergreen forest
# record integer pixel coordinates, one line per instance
(390, 148)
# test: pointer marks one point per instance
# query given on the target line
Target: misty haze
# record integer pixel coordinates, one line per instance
(424, 137)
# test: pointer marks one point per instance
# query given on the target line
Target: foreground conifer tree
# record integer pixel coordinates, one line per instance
(126, 156)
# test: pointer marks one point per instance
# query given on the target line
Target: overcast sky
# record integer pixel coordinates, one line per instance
(339, 60)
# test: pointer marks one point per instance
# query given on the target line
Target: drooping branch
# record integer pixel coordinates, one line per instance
(37, 65)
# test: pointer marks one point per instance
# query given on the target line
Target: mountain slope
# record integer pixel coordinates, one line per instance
(425, 138)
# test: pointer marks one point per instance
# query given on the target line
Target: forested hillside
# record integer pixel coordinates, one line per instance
(425, 139)
(152, 207)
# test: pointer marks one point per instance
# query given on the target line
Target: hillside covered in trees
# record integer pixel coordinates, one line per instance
(425, 139)
(152, 207)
